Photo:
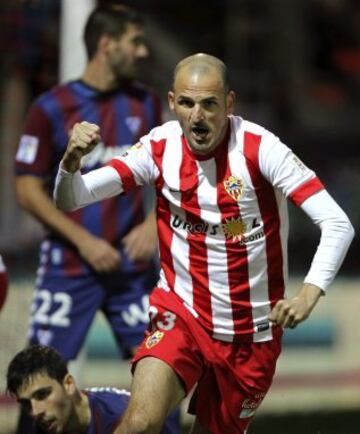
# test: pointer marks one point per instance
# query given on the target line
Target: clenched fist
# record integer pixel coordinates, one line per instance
(83, 139)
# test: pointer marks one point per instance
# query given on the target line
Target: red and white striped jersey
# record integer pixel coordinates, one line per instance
(222, 221)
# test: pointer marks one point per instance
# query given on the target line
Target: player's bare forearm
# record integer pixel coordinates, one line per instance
(290, 312)
(83, 138)
(33, 197)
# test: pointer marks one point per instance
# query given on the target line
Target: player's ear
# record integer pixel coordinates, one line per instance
(230, 102)
(104, 43)
(171, 100)
(69, 384)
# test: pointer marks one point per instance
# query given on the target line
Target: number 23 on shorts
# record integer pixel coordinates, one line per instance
(161, 320)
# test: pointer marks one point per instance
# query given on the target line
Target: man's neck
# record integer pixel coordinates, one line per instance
(81, 417)
(100, 78)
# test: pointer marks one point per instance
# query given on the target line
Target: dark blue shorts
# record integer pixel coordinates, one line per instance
(63, 309)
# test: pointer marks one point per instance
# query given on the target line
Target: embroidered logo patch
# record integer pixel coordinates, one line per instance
(234, 228)
(133, 123)
(28, 148)
(136, 147)
(234, 187)
(299, 165)
(154, 339)
(250, 405)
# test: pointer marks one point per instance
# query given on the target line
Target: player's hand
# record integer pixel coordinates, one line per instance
(141, 242)
(290, 312)
(82, 140)
(99, 254)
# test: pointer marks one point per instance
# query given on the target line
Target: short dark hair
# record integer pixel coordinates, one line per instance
(32, 361)
(108, 20)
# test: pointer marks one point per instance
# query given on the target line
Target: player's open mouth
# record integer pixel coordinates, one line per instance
(200, 132)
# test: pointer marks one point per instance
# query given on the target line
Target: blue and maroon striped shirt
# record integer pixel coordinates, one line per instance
(107, 406)
(124, 115)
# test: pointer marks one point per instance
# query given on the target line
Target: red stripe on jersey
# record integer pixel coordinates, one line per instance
(72, 260)
(98, 422)
(66, 99)
(237, 258)
(109, 219)
(198, 258)
(109, 207)
(108, 118)
(137, 110)
(306, 190)
(126, 175)
(165, 233)
(270, 217)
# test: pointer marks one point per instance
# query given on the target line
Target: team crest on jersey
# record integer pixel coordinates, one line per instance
(234, 228)
(234, 187)
(133, 123)
(136, 147)
(154, 339)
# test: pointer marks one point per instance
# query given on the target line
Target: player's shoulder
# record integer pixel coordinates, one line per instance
(166, 131)
(243, 125)
(107, 390)
(140, 90)
(107, 394)
(253, 132)
(107, 404)
(50, 99)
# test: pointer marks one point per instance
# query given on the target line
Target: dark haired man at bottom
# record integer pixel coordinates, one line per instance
(39, 379)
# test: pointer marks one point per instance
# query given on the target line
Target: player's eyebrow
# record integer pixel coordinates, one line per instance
(40, 393)
(210, 99)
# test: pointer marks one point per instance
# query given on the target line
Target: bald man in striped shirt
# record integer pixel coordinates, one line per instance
(219, 309)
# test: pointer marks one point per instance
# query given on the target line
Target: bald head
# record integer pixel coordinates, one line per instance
(201, 64)
(202, 101)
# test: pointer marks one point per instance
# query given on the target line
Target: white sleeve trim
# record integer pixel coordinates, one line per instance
(336, 236)
(73, 190)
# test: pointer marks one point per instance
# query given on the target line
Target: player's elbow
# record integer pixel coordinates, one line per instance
(27, 191)
(350, 230)
(63, 194)
(63, 200)
(344, 226)
(65, 208)
(64, 204)
(22, 197)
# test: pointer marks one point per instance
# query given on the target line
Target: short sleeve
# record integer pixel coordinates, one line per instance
(34, 153)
